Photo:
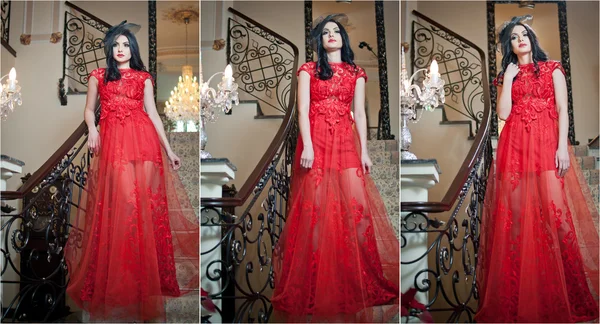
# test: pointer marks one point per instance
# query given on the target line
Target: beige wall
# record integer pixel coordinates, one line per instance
(582, 17)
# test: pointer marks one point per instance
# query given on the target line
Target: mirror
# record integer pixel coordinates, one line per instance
(365, 27)
(549, 23)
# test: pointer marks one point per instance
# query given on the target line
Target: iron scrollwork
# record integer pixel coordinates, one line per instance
(460, 67)
(37, 237)
(242, 234)
(565, 58)
(263, 65)
(82, 47)
(5, 16)
(454, 247)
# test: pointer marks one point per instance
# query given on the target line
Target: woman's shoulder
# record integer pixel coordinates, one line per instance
(98, 73)
(551, 65)
(308, 67)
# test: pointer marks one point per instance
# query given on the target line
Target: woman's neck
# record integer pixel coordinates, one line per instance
(124, 65)
(524, 59)
(334, 57)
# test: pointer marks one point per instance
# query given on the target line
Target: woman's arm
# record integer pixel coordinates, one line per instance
(561, 99)
(504, 102)
(158, 125)
(308, 155)
(90, 117)
(360, 117)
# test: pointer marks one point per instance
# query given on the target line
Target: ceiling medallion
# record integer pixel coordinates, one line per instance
(179, 15)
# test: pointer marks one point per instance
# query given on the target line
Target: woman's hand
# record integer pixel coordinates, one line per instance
(562, 161)
(511, 71)
(93, 141)
(366, 163)
(308, 157)
(174, 161)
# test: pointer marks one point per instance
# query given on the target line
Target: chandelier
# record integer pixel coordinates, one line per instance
(412, 96)
(11, 94)
(183, 104)
(214, 101)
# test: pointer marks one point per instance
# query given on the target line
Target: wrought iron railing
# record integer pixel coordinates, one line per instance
(5, 25)
(263, 64)
(460, 67)
(33, 240)
(453, 238)
(247, 279)
(83, 50)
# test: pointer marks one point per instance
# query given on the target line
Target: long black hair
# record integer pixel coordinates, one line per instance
(136, 63)
(324, 70)
(508, 56)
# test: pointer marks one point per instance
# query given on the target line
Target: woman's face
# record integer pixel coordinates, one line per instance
(519, 40)
(121, 49)
(331, 37)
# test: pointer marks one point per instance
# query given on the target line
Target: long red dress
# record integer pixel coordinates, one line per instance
(135, 223)
(539, 245)
(338, 255)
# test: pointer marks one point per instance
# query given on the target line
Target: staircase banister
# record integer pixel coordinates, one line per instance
(43, 171)
(69, 4)
(478, 143)
(248, 187)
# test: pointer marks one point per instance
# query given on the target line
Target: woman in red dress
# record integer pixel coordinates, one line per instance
(337, 259)
(132, 228)
(539, 246)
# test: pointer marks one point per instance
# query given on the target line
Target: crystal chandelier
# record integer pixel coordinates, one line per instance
(183, 104)
(11, 94)
(213, 101)
(429, 96)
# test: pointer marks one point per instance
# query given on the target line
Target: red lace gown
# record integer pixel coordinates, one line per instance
(338, 255)
(135, 223)
(539, 246)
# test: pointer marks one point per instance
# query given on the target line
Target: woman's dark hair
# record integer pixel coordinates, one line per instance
(324, 70)
(508, 56)
(112, 71)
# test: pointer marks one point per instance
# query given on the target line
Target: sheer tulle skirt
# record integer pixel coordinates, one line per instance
(539, 246)
(135, 238)
(338, 256)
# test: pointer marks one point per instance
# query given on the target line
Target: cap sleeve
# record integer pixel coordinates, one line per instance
(361, 74)
(309, 67)
(149, 77)
(98, 74)
(556, 65)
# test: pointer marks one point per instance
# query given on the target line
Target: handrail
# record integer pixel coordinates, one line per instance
(43, 171)
(69, 4)
(478, 144)
(285, 128)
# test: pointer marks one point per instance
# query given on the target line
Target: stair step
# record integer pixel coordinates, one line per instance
(591, 176)
(387, 146)
(586, 162)
(183, 309)
(594, 152)
(580, 150)
(386, 172)
(372, 133)
(382, 157)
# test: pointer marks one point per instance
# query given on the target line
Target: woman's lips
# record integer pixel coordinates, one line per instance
(331, 41)
(523, 45)
(121, 55)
